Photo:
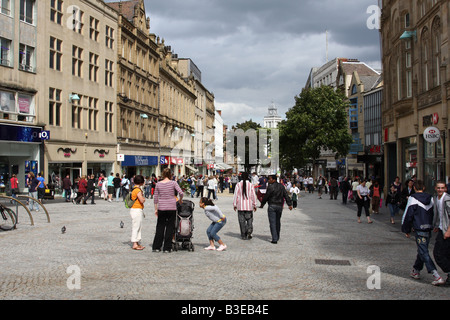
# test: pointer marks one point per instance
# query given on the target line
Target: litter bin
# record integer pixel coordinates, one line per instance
(50, 192)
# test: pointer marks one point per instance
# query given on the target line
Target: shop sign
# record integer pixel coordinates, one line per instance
(432, 119)
(432, 134)
(136, 161)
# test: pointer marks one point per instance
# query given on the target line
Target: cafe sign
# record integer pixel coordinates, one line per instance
(431, 134)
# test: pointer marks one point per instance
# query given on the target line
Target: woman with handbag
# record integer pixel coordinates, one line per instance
(363, 200)
(165, 209)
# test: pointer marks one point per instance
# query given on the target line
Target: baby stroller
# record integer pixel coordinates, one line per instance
(184, 226)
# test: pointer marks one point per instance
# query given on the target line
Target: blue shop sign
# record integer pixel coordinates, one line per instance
(139, 161)
(20, 133)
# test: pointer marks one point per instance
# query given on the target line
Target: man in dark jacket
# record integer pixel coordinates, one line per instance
(90, 189)
(67, 184)
(276, 195)
(419, 216)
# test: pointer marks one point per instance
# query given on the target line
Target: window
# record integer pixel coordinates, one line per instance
(55, 54)
(93, 67)
(408, 69)
(93, 31)
(56, 11)
(77, 22)
(109, 113)
(77, 61)
(109, 65)
(5, 52)
(92, 113)
(54, 107)
(26, 58)
(77, 111)
(407, 21)
(27, 10)
(109, 39)
(5, 7)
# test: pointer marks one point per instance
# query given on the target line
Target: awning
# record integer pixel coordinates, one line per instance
(191, 168)
(223, 166)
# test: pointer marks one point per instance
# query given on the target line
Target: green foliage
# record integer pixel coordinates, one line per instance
(317, 121)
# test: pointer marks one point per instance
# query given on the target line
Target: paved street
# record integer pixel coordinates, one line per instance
(36, 259)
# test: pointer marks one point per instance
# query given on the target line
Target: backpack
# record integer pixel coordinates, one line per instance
(128, 201)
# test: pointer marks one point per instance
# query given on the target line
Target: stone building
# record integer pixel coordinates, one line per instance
(415, 51)
(54, 61)
(138, 140)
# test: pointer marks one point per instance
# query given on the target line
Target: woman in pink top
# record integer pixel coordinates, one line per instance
(245, 203)
(165, 209)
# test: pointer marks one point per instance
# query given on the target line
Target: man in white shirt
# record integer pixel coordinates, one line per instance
(441, 222)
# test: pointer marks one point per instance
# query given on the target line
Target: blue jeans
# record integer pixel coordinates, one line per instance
(214, 228)
(274, 212)
(394, 209)
(192, 190)
(423, 256)
(33, 204)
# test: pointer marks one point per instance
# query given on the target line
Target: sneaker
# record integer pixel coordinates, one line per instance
(415, 274)
(210, 248)
(438, 281)
(222, 247)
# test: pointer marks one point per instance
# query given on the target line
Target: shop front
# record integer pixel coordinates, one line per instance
(137, 164)
(20, 153)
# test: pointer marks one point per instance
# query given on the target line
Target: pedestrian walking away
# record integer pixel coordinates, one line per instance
(419, 216)
(441, 223)
(67, 187)
(32, 190)
(14, 184)
(41, 187)
(137, 212)
(275, 196)
(363, 200)
(165, 209)
(244, 201)
(218, 222)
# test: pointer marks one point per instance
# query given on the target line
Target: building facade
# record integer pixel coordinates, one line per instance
(415, 51)
(272, 119)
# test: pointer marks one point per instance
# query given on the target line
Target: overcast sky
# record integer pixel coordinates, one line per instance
(255, 52)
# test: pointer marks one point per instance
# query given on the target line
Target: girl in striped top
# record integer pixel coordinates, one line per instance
(165, 202)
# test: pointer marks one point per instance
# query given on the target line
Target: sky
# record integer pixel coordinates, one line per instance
(253, 53)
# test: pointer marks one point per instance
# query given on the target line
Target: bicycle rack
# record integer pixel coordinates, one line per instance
(18, 202)
(38, 202)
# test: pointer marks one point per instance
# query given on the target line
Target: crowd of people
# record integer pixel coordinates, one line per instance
(422, 213)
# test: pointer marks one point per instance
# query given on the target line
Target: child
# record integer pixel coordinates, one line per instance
(419, 216)
(218, 221)
(137, 212)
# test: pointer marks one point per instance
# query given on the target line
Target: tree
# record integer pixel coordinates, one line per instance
(318, 121)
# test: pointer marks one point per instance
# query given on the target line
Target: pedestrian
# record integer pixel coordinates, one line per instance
(192, 182)
(14, 184)
(311, 184)
(275, 196)
(320, 186)
(398, 184)
(295, 192)
(375, 194)
(137, 212)
(345, 189)
(419, 216)
(363, 200)
(218, 222)
(244, 201)
(90, 190)
(147, 187)
(41, 187)
(154, 181)
(392, 200)
(406, 193)
(441, 223)
(32, 190)
(116, 183)
(211, 186)
(200, 186)
(110, 186)
(165, 210)
(67, 187)
(105, 189)
(82, 190)
(333, 188)
(234, 181)
(125, 185)
(262, 188)
(355, 185)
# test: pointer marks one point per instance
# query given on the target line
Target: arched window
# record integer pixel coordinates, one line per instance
(354, 89)
(436, 51)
